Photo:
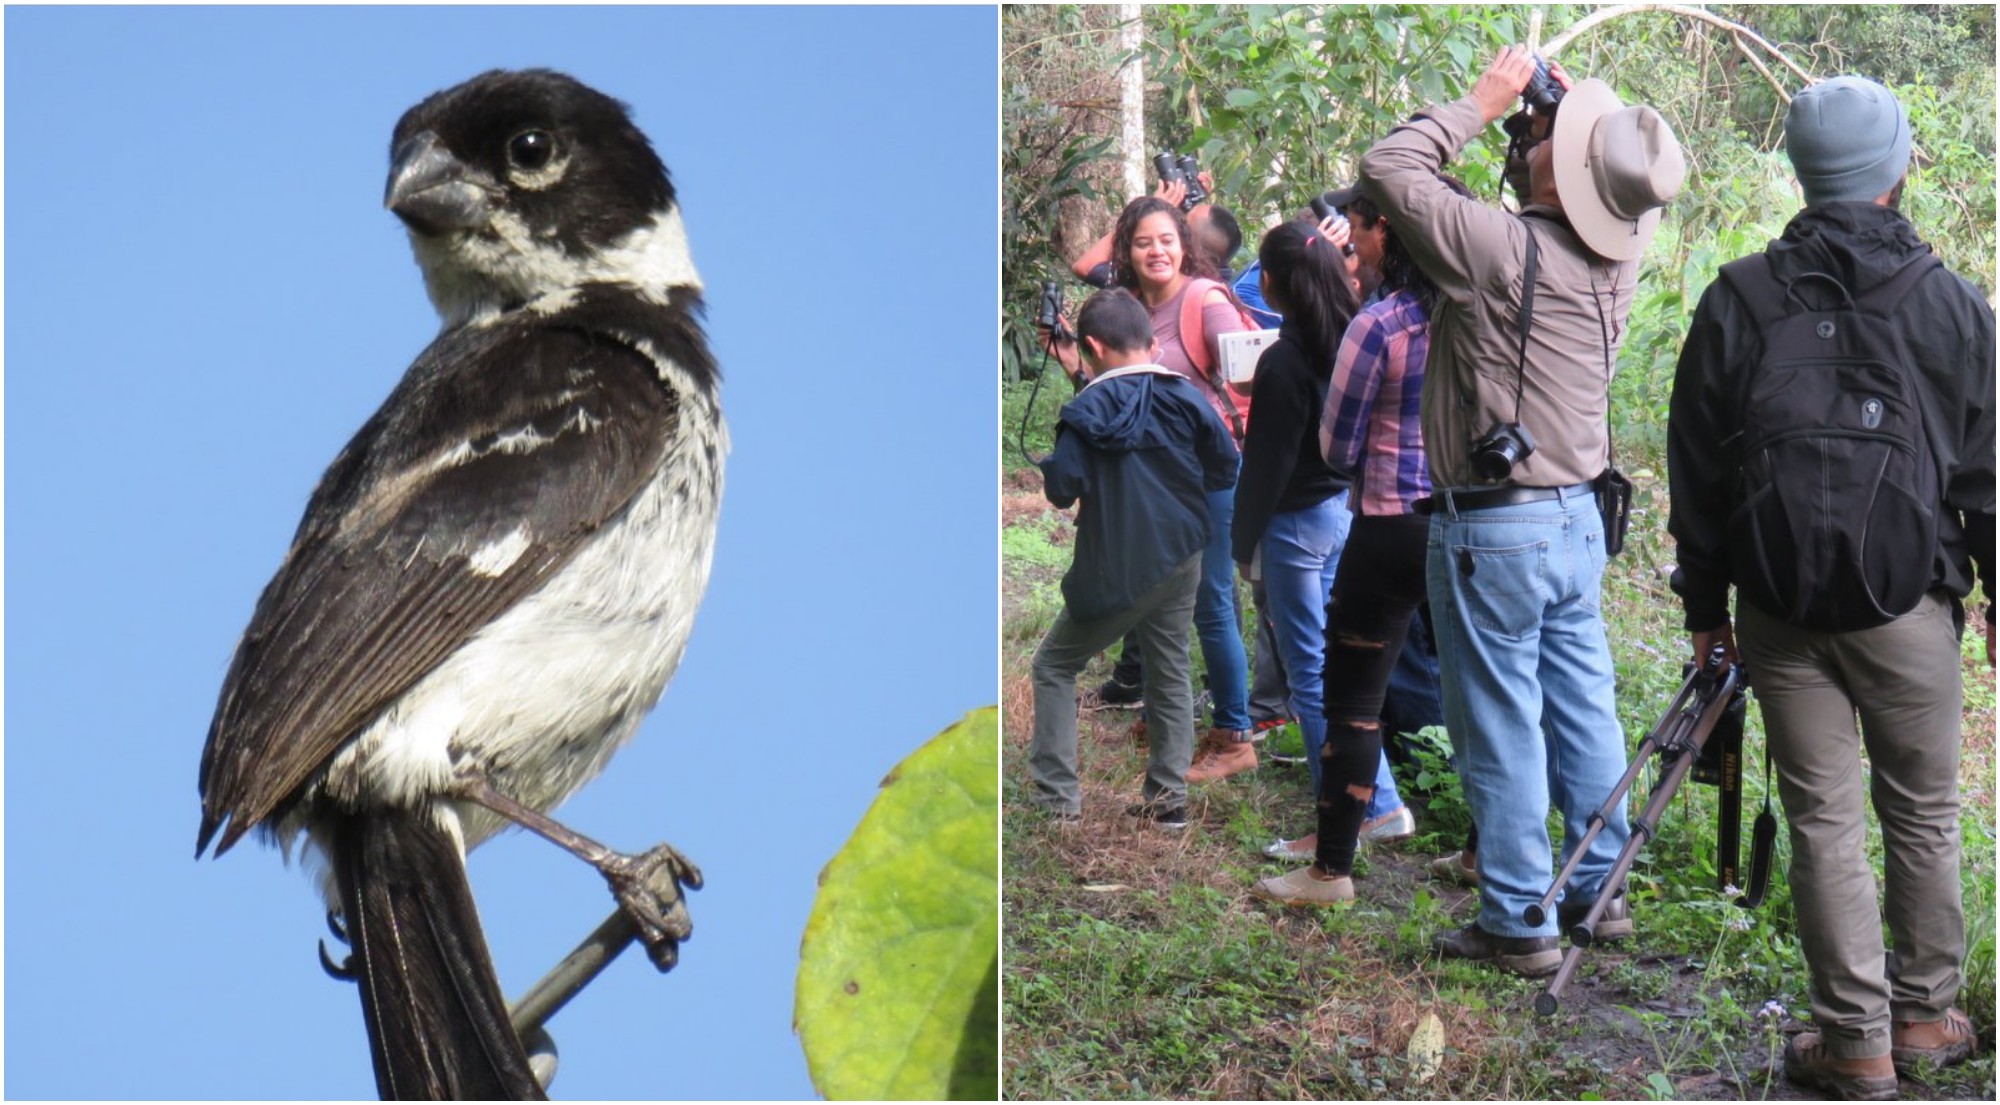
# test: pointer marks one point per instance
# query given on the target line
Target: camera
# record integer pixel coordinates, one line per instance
(1323, 209)
(1499, 449)
(1542, 93)
(1049, 316)
(1185, 168)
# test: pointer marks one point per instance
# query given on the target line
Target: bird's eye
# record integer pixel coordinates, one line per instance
(531, 149)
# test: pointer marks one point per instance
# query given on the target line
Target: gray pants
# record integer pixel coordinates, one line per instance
(1903, 680)
(1161, 620)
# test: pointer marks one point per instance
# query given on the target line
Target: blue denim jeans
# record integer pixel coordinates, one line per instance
(1217, 622)
(1301, 550)
(1528, 693)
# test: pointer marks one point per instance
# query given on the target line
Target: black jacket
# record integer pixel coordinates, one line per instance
(1141, 451)
(1949, 327)
(1282, 466)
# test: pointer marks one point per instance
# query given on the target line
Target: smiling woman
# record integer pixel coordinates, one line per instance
(497, 576)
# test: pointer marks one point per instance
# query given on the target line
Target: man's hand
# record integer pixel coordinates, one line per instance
(1499, 88)
(1705, 641)
(1063, 347)
(1173, 191)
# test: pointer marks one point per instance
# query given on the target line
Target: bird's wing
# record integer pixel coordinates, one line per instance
(502, 451)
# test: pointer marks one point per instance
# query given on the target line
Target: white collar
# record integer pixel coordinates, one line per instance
(1131, 370)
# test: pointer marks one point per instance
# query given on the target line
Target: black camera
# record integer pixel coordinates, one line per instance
(1542, 93)
(1498, 450)
(1185, 168)
(1050, 316)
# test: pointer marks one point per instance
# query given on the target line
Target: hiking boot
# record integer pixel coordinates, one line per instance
(1223, 753)
(1460, 867)
(1305, 887)
(1170, 818)
(1615, 925)
(1397, 824)
(1113, 695)
(1303, 850)
(1808, 1063)
(1527, 956)
(1943, 1042)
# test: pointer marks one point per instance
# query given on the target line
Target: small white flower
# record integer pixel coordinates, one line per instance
(1772, 1009)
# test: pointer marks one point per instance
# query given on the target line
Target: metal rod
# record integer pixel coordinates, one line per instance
(576, 971)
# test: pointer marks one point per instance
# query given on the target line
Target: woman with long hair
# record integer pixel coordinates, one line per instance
(1369, 426)
(1153, 256)
(1291, 505)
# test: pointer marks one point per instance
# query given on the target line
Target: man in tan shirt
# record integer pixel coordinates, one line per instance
(1515, 429)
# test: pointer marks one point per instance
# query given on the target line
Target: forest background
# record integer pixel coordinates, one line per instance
(1137, 966)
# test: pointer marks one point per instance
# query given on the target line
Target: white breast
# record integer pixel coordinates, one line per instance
(541, 698)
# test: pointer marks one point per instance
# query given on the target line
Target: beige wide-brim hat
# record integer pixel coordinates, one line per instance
(1616, 169)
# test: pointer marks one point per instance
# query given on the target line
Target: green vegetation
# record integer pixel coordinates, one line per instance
(1136, 963)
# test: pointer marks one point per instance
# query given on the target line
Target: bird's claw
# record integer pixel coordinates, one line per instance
(648, 889)
(337, 925)
(342, 971)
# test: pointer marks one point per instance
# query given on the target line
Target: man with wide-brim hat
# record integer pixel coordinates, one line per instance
(1516, 434)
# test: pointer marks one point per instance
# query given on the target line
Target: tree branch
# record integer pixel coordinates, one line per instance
(1603, 15)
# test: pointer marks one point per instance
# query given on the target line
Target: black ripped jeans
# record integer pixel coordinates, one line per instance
(1376, 591)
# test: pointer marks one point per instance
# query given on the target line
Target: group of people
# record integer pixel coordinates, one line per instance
(1444, 440)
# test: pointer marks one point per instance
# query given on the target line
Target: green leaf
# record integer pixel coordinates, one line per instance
(898, 993)
(1242, 97)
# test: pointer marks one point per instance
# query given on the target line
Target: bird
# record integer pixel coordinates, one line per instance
(495, 579)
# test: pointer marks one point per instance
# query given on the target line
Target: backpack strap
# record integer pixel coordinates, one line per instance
(1194, 343)
(1885, 298)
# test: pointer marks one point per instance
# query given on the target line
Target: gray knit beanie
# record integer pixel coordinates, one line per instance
(1848, 139)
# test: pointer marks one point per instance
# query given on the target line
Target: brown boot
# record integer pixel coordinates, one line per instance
(1809, 1063)
(1224, 752)
(1944, 1042)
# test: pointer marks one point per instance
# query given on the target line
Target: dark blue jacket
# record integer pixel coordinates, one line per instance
(1141, 451)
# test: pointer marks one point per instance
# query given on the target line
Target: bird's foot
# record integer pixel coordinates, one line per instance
(648, 889)
(342, 971)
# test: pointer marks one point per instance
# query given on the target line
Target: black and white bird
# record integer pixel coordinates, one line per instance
(497, 576)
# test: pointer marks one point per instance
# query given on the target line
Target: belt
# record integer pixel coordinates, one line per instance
(1486, 498)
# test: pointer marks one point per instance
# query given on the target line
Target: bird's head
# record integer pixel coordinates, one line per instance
(517, 185)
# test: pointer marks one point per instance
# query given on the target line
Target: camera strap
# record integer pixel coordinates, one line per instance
(1526, 321)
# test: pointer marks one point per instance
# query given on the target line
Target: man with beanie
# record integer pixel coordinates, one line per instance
(1812, 660)
(1517, 547)
(1141, 448)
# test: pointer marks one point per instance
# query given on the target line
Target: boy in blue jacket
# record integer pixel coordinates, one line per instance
(1140, 447)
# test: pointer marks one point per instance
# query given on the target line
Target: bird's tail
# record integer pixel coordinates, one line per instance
(437, 1023)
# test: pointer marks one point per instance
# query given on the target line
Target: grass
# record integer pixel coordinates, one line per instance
(1137, 966)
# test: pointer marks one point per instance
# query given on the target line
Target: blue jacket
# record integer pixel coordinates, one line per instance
(1141, 449)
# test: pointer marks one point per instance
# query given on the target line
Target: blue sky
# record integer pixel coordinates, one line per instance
(205, 299)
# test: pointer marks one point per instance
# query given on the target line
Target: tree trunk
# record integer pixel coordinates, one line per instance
(1132, 101)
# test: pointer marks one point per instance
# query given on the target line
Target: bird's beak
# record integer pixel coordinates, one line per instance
(432, 191)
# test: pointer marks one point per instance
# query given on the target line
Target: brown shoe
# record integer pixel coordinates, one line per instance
(1223, 753)
(1944, 1042)
(1809, 1063)
(1528, 956)
(1305, 886)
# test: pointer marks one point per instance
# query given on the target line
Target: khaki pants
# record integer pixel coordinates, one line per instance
(1903, 681)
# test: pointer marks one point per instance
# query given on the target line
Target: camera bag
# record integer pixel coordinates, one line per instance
(1835, 528)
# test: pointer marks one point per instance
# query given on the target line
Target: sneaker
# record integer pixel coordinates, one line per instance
(1270, 726)
(1171, 818)
(1397, 824)
(1286, 745)
(1223, 753)
(1460, 867)
(1615, 925)
(1808, 1063)
(1113, 695)
(1527, 956)
(1303, 850)
(1943, 1042)
(1303, 887)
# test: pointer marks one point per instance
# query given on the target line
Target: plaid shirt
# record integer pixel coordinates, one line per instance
(1371, 425)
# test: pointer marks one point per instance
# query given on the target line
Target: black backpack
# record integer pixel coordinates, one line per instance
(1836, 527)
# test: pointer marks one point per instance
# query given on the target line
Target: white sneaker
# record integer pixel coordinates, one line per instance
(1397, 824)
